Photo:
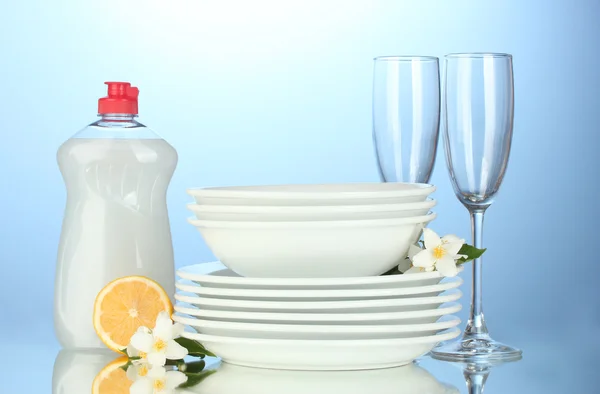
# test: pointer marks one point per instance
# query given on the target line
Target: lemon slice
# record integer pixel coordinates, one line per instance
(126, 304)
(112, 379)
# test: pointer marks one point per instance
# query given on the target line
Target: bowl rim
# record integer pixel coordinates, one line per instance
(390, 189)
(311, 209)
(312, 224)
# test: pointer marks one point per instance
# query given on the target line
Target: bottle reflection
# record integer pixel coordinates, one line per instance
(75, 370)
(409, 379)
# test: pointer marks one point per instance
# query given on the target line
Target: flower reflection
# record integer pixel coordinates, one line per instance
(155, 380)
(102, 372)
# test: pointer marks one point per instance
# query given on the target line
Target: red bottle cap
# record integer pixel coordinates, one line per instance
(122, 99)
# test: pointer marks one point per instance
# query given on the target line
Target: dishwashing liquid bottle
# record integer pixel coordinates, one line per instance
(116, 172)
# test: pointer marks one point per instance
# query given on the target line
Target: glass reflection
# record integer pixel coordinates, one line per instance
(477, 373)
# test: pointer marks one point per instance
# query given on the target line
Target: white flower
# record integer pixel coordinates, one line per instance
(137, 371)
(156, 380)
(132, 352)
(158, 345)
(439, 253)
(406, 265)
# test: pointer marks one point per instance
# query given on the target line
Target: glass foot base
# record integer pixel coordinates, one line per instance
(473, 348)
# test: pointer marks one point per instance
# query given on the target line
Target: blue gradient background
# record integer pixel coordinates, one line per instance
(262, 92)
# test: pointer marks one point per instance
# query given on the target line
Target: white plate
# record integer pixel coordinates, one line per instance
(318, 295)
(310, 331)
(326, 194)
(321, 354)
(234, 379)
(215, 274)
(307, 213)
(312, 249)
(347, 306)
(422, 316)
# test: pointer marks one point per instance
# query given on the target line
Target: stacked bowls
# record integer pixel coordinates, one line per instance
(298, 284)
(312, 231)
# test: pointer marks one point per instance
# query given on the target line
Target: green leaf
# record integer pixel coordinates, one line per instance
(202, 354)
(126, 366)
(177, 363)
(124, 351)
(193, 367)
(471, 252)
(393, 271)
(195, 348)
(195, 378)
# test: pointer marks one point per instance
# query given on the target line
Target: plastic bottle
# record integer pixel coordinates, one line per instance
(116, 172)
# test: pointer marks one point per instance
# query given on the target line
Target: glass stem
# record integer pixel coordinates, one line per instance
(476, 381)
(476, 325)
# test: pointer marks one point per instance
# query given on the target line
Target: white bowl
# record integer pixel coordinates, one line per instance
(325, 307)
(216, 275)
(326, 194)
(259, 213)
(322, 249)
(320, 354)
(323, 332)
(285, 295)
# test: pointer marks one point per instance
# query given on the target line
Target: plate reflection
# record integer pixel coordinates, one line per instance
(409, 379)
(76, 371)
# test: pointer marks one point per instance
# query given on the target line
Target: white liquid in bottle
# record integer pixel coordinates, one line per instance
(116, 222)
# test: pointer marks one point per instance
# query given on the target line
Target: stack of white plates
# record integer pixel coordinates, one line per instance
(316, 324)
(299, 285)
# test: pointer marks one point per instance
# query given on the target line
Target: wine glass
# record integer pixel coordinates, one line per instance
(406, 116)
(479, 103)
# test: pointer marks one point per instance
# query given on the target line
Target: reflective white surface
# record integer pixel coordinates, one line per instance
(539, 372)
(551, 365)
